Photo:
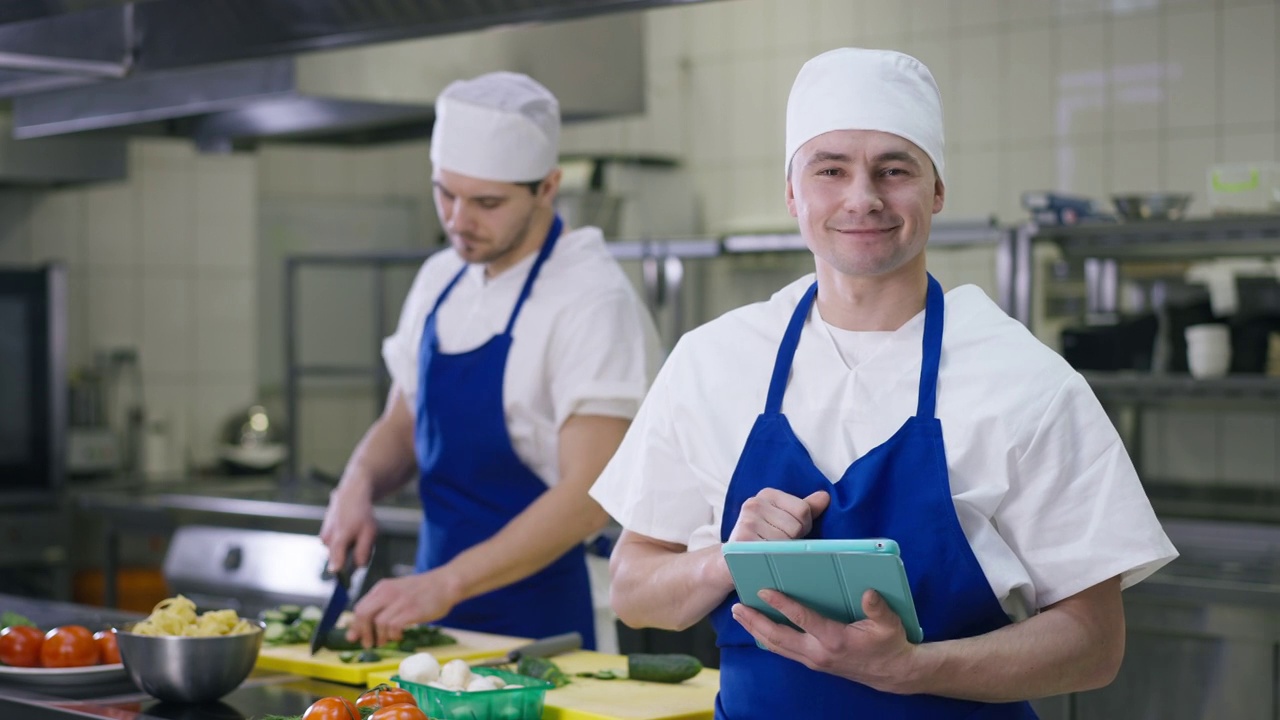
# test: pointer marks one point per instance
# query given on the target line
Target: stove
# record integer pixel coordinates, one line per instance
(249, 570)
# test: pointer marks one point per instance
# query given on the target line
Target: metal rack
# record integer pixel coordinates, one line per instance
(662, 270)
(1103, 246)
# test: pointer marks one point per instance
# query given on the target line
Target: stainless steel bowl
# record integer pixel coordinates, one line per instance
(1151, 206)
(188, 669)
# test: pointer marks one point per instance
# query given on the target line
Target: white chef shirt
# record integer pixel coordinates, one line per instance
(1043, 488)
(584, 344)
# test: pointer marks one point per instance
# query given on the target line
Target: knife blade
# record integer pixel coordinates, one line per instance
(337, 601)
(545, 647)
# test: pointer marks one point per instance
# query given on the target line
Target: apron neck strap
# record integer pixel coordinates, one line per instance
(787, 351)
(553, 234)
(931, 350)
(449, 288)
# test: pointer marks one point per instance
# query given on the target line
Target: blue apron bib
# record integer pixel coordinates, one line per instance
(472, 483)
(899, 490)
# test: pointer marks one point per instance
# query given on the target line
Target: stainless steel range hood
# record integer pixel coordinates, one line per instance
(222, 71)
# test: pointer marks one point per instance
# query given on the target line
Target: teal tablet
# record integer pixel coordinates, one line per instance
(828, 576)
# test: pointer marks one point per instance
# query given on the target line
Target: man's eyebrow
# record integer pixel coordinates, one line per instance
(478, 198)
(826, 156)
(898, 156)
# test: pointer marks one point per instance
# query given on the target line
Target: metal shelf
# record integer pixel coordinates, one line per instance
(1148, 388)
(1201, 238)
(942, 234)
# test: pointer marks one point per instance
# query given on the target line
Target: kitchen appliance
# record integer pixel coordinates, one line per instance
(92, 446)
(248, 570)
(32, 384)
(33, 425)
(1126, 345)
(252, 442)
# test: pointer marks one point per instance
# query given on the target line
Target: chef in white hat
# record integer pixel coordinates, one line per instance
(521, 355)
(864, 402)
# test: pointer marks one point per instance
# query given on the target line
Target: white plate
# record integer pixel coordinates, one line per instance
(64, 676)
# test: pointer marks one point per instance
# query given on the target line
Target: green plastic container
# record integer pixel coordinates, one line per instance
(522, 703)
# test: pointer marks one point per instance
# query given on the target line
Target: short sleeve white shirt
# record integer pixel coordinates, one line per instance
(584, 344)
(1043, 487)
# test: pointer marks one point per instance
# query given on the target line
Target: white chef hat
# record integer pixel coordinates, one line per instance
(859, 89)
(501, 126)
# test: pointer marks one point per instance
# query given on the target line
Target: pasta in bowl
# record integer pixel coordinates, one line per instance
(180, 655)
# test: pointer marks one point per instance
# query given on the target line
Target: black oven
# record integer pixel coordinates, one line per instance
(33, 375)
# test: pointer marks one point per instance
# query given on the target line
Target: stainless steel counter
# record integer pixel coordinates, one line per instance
(267, 499)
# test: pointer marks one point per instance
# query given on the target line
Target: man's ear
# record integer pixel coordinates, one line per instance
(939, 193)
(549, 187)
(790, 195)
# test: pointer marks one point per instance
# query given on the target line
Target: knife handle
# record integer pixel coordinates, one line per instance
(547, 647)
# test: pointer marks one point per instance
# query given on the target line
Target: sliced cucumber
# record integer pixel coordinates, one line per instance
(273, 616)
(311, 613)
(275, 632)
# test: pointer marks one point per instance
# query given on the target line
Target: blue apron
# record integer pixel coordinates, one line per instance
(472, 483)
(899, 490)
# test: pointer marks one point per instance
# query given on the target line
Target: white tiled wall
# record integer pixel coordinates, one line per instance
(1088, 96)
(1085, 96)
(163, 263)
(326, 200)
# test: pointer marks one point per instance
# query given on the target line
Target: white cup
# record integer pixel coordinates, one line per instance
(1208, 350)
(1214, 336)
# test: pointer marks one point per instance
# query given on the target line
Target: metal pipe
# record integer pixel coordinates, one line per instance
(1005, 280)
(379, 327)
(63, 66)
(291, 373)
(1022, 275)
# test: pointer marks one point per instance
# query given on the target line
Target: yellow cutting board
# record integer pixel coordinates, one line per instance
(325, 665)
(591, 699)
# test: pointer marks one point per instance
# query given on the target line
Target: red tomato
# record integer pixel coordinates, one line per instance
(20, 646)
(69, 646)
(108, 650)
(399, 712)
(331, 708)
(383, 696)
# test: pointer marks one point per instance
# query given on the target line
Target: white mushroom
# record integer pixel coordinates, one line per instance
(498, 682)
(481, 683)
(421, 668)
(456, 674)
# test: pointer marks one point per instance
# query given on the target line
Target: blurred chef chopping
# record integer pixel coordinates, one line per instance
(863, 401)
(521, 355)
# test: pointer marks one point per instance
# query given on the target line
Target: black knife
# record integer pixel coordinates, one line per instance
(545, 647)
(337, 601)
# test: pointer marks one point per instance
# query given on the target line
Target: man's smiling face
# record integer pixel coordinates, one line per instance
(864, 200)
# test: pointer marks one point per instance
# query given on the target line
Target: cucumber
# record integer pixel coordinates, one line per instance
(275, 632)
(542, 669)
(337, 640)
(271, 616)
(290, 612)
(311, 613)
(665, 668)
